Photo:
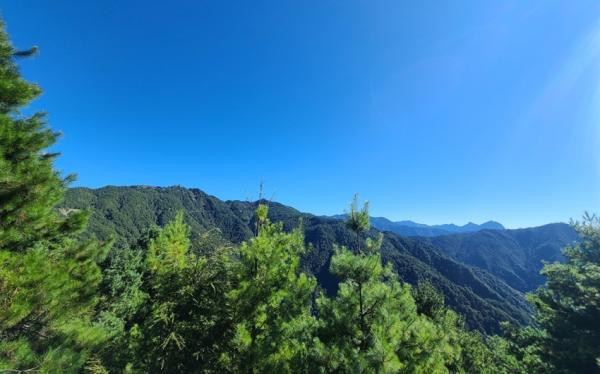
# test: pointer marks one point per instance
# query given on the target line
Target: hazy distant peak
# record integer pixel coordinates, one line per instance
(411, 228)
(492, 225)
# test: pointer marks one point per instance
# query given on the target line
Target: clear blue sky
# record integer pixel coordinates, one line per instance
(436, 111)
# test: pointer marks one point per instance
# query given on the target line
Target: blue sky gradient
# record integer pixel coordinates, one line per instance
(435, 111)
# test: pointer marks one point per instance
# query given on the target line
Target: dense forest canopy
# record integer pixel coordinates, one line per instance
(512, 258)
(237, 291)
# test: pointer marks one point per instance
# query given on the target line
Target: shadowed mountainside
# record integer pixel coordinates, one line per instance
(514, 256)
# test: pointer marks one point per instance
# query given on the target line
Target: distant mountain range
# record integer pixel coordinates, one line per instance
(515, 256)
(481, 274)
(410, 228)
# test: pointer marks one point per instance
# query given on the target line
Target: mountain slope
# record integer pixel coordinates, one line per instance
(128, 211)
(514, 256)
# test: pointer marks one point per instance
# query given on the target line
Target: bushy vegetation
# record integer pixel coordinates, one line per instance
(174, 302)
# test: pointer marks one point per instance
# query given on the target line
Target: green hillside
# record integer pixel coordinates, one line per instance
(126, 212)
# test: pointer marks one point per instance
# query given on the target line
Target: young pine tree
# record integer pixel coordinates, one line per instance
(473, 352)
(358, 221)
(48, 277)
(271, 302)
(372, 325)
(175, 320)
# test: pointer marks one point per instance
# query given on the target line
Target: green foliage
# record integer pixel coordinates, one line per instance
(372, 324)
(358, 220)
(171, 310)
(169, 252)
(123, 299)
(480, 354)
(483, 299)
(429, 300)
(29, 186)
(474, 352)
(568, 307)
(180, 319)
(166, 305)
(525, 345)
(48, 277)
(271, 301)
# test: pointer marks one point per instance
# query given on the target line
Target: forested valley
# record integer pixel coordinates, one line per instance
(130, 280)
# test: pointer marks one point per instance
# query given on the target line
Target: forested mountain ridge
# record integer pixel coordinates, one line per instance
(515, 256)
(127, 211)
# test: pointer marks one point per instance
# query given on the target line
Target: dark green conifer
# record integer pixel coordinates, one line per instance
(167, 309)
(372, 325)
(271, 302)
(568, 306)
(48, 277)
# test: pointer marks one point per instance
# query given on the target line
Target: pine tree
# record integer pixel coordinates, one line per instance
(372, 325)
(123, 297)
(271, 302)
(429, 300)
(167, 305)
(568, 306)
(48, 277)
(357, 220)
